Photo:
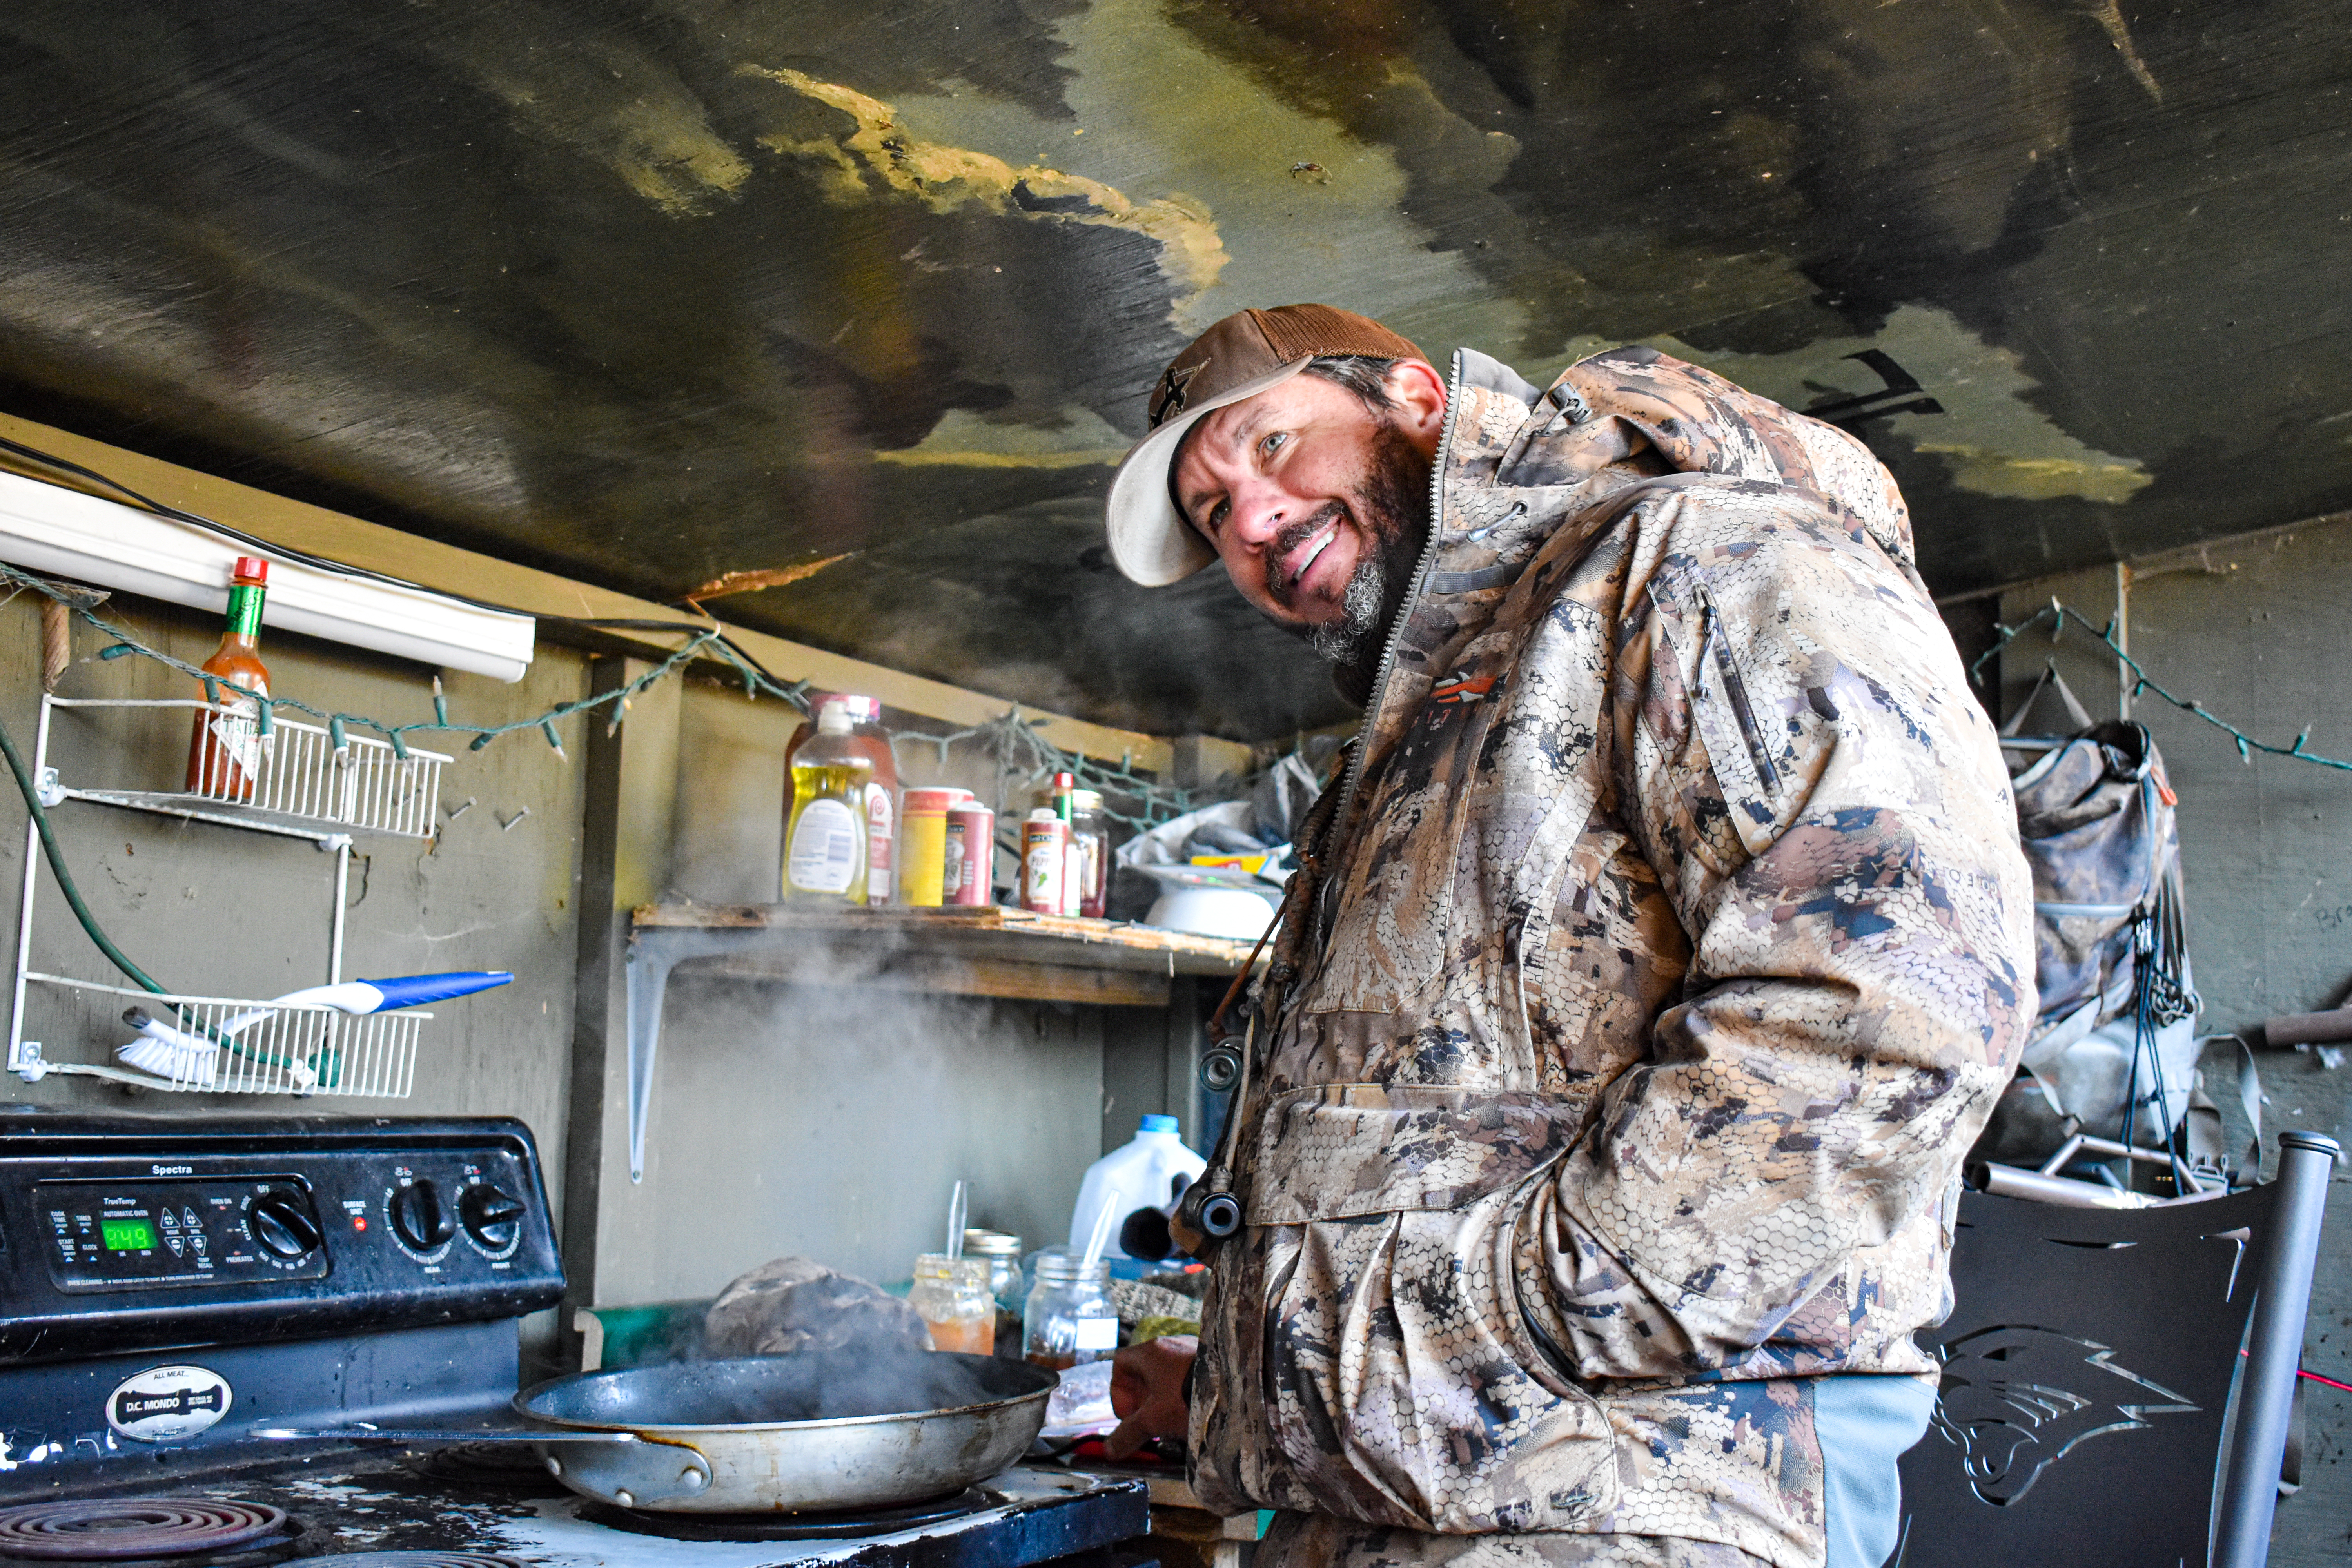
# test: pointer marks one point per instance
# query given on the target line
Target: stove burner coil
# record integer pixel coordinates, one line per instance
(411, 1560)
(111, 1530)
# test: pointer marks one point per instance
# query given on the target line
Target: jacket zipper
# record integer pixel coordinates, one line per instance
(1736, 690)
(1404, 610)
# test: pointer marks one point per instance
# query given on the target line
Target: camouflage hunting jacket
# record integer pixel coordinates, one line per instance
(1673, 944)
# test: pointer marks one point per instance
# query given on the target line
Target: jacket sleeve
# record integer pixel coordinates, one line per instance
(1797, 754)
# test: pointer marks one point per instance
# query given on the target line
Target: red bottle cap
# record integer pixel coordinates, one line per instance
(252, 570)
(862, 710)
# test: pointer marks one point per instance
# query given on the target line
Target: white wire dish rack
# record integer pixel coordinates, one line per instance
(299, 785)
(297, 782)
(220, 1045)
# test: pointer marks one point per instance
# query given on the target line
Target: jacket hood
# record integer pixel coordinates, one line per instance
(1518, 464)
(1613, 405)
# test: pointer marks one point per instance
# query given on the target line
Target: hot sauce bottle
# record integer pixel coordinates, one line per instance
(1073, 854)
(226, 749)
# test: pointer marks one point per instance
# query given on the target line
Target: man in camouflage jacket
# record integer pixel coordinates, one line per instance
(1670, 945)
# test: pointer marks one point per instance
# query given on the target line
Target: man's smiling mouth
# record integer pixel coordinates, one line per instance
(1330, 532)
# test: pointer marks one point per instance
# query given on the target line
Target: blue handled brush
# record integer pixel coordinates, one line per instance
(176, 1054)
(357, 996)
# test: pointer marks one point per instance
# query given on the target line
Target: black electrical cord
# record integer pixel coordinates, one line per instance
(300, 557)
(343, 569)
(161, 509)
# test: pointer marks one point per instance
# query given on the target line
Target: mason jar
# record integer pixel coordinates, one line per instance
(951, 1296)
(1069, 1320)
(1002, 1255)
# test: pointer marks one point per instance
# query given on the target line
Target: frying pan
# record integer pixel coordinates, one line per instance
(772, 1434)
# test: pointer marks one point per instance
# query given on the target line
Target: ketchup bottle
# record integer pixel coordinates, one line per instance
(226, 751)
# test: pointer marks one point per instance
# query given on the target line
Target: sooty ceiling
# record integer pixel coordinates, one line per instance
(656, 291)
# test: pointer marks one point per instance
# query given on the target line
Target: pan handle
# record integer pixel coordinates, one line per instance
(657, 1470)
(362, 1432)
(625, 1468)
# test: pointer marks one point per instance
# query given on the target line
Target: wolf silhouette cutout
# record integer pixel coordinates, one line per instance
(2016, 1400)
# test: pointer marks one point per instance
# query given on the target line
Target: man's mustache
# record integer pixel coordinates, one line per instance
(1278, 586)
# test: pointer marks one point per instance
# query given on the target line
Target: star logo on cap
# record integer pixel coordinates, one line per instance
(1169, 401)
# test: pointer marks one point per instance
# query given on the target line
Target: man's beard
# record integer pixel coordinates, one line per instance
(1393, 505)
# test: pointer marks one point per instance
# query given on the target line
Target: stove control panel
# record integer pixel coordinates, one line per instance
(106, 1234)
(169, 1231)
(432, 1213)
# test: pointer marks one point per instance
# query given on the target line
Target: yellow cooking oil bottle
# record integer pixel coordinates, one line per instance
(824, 842)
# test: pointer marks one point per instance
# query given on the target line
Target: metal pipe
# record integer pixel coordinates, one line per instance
(2242, 1535)
(2183, 1180)
(2066, 1151)
(2108, 1146)
(2332, 1027)
(2009, 1182)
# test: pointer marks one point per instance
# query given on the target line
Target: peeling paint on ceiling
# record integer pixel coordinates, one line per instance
(945, 178)
(1079, 438)
(688, 290)
(2012, 449)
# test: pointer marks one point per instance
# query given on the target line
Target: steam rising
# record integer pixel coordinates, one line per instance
(829, 1115)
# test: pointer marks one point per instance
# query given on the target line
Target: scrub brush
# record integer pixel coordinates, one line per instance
(167, 1053)
(185, 1057)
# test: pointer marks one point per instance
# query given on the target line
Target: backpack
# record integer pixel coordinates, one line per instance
(2114, 1048)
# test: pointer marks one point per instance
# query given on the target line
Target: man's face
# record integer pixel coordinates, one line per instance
(1316, 504)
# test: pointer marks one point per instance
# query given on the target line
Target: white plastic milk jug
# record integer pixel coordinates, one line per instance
(1141, 1174)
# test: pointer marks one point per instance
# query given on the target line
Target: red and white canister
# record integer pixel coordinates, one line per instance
(1045, 857)
(968, 869)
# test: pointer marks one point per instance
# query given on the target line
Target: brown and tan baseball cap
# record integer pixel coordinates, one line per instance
(1240, 357)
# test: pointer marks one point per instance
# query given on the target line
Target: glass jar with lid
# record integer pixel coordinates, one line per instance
(951, 1296)
(1069, 1320)
(1002, 1255)
(1090, 838)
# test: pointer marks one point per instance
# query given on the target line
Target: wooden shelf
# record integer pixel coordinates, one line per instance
(981, 950)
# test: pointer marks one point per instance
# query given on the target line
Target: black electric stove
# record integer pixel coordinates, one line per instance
(168, 1285)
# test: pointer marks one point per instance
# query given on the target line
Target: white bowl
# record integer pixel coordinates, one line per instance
(1213, 911)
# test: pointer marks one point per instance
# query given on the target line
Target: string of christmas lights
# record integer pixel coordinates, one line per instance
(2056, 615)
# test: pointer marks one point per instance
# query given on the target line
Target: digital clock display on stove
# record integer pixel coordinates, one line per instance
(128, 1234)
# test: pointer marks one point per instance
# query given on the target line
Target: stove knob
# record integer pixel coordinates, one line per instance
(491, 1217)
(418, 1217)
(281, 1223)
